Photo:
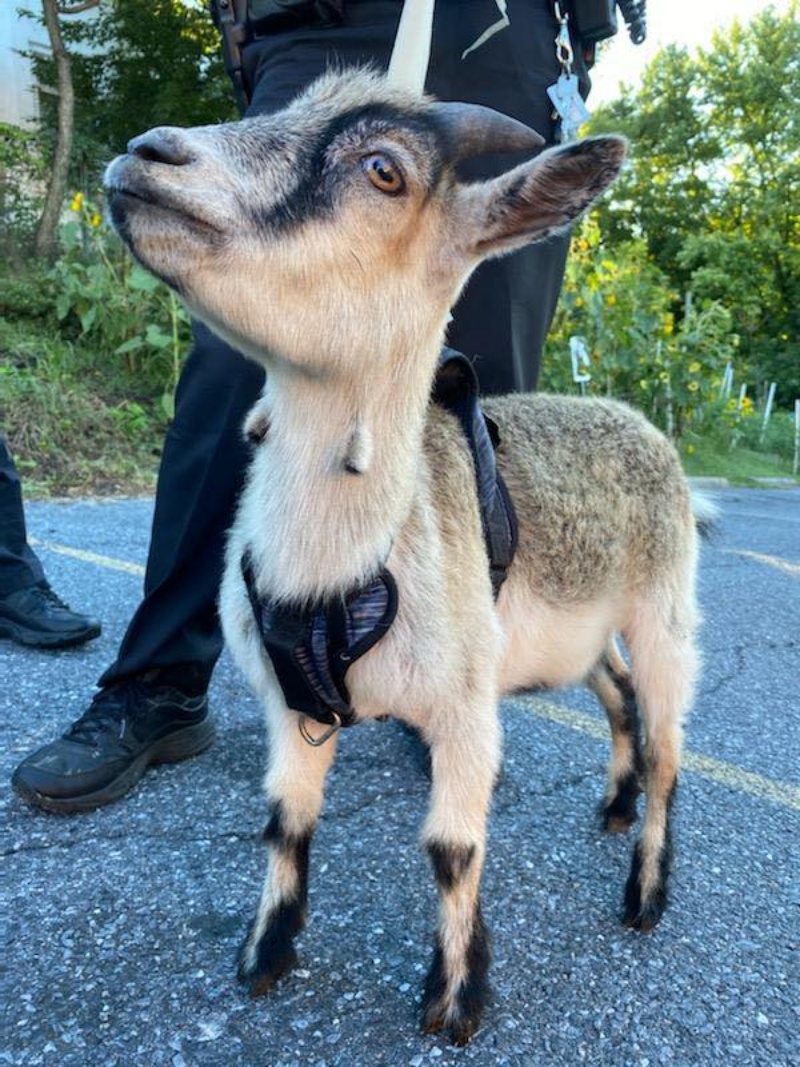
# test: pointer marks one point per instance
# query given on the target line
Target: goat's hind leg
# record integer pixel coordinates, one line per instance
(664, 658)
(465, 760)
(611, 682)
(294, 785)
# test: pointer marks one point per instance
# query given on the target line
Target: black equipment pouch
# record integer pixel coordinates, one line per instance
(229, 18)
(593, 20)
(241, 21)
(596, 20)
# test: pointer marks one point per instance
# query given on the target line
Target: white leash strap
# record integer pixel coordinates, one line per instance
(411, 54)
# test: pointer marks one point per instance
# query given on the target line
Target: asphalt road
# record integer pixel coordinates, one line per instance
(122, 925)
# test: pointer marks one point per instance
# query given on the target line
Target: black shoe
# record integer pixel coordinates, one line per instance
(36, 616)
(104, 754)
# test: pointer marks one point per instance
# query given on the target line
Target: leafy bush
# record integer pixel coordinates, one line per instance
(29, 295)
(621, 304)
(712, 184)
(23, 169)
(65, 435)
(92, 351)
(109, 302)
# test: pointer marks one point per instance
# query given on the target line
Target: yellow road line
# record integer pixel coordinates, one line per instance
(771, 561)
(727, 774)
(88, 557)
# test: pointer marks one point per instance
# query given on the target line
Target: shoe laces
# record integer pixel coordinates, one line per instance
(46, 592)
(106, 713)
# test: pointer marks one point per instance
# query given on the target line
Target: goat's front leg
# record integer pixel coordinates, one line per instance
(465, 759)
(294, 786)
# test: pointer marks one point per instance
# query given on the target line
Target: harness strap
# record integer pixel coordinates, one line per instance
(456, 389)
(312, 646)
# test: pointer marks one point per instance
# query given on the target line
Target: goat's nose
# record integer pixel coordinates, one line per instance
(162, 145)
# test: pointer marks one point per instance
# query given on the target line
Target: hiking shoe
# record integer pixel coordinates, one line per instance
(101, 757)
(35, 616)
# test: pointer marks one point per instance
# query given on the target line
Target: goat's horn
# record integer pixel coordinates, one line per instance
(473, 130)
(411, 54)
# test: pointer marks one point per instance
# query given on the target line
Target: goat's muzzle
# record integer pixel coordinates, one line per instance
(162, 145)
(153, 179)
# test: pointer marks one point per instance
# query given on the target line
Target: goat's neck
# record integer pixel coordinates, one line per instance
(318, 528)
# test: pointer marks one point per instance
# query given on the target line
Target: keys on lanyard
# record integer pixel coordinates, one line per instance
(572, 112)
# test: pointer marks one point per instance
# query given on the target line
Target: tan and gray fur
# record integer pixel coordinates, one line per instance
(339, 282)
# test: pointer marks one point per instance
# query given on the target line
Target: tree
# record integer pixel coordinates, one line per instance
(46, 234)
(135, 64)
(144, 63)
(713, 186)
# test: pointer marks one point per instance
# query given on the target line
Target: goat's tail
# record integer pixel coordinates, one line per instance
(706, 515)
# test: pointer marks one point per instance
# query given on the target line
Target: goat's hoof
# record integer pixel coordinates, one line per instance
(645, 904)
(618, 814)
(616, 822)
(259, 970)
(643, 913)
(644, 918)
(461, 1026)
(459, 1014)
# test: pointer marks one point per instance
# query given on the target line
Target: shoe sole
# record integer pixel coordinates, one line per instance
(177, 746)
(35, 639)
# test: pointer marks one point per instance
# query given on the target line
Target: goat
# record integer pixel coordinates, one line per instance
(329, 242)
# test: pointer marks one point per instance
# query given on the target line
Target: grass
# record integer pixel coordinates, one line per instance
(741, 466)
(712, 454)
(70, 434)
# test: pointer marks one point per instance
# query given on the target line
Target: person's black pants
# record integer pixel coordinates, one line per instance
(19, 564)
(501, 320)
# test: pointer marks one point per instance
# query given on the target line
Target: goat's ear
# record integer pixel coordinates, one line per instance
(541, 197)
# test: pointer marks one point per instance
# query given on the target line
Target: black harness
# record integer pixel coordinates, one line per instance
(312, 646)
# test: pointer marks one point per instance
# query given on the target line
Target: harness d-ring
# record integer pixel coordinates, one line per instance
(317, 742)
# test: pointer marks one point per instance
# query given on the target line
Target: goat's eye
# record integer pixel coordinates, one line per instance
(383, 173)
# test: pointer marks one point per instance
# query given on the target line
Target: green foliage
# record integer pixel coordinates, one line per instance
(620, 303)
(713, 185)
(109, 302)
(27, 295)
(91, 355)
(138, 64)
(713, 457)
(69, 433)
(22, 174)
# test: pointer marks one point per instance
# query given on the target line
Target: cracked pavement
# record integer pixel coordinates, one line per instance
(121, 926)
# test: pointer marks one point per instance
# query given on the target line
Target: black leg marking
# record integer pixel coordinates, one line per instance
(274, 953)
(631, 723)
(619, 813)
(463, 1016)
(450, 863)
(643, 913)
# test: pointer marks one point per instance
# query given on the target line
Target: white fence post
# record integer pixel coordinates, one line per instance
(581, 362)
(767, 411)
(727, 382)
